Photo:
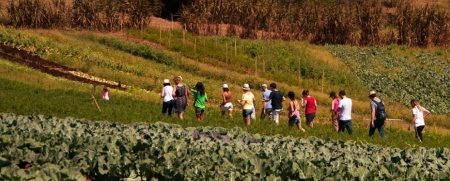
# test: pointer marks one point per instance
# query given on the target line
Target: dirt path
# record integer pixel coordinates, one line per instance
(30, 60)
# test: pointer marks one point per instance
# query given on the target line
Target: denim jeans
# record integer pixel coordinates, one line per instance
(378, 124)
(345, 124)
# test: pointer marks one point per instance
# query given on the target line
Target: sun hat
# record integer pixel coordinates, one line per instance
(225, 86)
(372, 92)
(264, 85)
(246, 87)
(166, 81)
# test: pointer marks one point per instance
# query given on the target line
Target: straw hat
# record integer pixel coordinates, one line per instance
(372, 92)
(166, 81)
(246, 87)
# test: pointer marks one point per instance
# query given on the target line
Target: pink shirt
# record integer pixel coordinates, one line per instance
(335, 107)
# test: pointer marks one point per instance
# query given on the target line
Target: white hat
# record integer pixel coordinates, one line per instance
(264, 85)
(166, 81)
(246, 87)
(225, 86)
(372, 92)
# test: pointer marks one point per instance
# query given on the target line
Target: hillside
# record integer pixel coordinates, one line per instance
(141, 60)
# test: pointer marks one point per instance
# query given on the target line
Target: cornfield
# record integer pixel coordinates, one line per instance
(85, 14)
(333, 21)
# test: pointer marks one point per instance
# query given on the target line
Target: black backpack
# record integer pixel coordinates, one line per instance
(380, 112)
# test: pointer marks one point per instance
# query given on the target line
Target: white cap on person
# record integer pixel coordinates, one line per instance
(264, 85)
(166, 81)
(225, 86)
(246, 87)
(372, 92)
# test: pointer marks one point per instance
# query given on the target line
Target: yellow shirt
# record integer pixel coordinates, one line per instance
(248, 99)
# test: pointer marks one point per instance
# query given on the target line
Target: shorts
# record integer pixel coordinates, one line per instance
(310, 117)
(227, 106)
(294, 120)
(199, 111)
(247, 112)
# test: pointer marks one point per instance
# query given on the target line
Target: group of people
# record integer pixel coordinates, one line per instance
(176, 97)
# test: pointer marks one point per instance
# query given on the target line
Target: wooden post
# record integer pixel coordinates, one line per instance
(195, 46)
(184, 35)
(323, 77)
(264, 65)
(160, 34)
(235, 47)
(171, 22)
(256, 65)
(226, 53)
(94, 101)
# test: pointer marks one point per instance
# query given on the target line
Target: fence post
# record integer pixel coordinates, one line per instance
(256, 65)
(323, 77)
(235, 47)
(226, 53)
(160, 34)
(184, 34)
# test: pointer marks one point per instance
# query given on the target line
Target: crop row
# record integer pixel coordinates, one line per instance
(41, 147)
(424, 76)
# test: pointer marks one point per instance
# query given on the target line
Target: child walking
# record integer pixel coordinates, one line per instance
(294, 113)
(200, 99)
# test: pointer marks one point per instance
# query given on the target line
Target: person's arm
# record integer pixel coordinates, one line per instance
(373, 116)
(412, 122)
(426, 112)
(174, 92)
(162, 92)
(224, 100)
(303, 101)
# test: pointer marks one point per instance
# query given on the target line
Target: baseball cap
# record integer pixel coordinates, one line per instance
(372, 92)
(225, 86)
(264, 85)
(166, 81)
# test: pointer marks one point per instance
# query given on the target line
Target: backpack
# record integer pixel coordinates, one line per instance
(380, 112)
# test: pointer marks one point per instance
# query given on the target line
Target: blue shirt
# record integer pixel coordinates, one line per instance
(266, 95)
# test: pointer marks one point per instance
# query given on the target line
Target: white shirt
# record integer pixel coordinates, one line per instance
(420, 121)
(346, 109)
(167, 93)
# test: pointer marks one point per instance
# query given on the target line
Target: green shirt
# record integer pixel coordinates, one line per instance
(199, 99)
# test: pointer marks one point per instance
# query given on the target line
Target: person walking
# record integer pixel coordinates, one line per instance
(345, 113)
(247, 102)
(200, 99)
(276, 98)
(294, 113)
(378, 114)
(419, 113)
(227, 105)
(167, 96)
(181, 96)
(310, 104)
(334, 110)
(266, 111)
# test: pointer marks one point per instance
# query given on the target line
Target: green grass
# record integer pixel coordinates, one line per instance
(73, 100)
(116, 58)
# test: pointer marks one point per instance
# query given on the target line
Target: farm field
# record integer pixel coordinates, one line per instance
(141, 60)
(85, 149)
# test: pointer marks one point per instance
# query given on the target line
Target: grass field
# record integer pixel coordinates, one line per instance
(129, 58)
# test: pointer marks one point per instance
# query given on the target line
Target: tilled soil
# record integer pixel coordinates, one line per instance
(31, 60)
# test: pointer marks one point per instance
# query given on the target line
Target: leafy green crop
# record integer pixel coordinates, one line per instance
(72, 149)
(422, 76)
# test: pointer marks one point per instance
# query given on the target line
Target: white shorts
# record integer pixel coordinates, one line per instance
(227, 107)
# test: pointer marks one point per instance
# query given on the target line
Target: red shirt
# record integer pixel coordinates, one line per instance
(310, 107)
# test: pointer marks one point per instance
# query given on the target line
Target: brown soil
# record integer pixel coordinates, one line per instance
(28, 59)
